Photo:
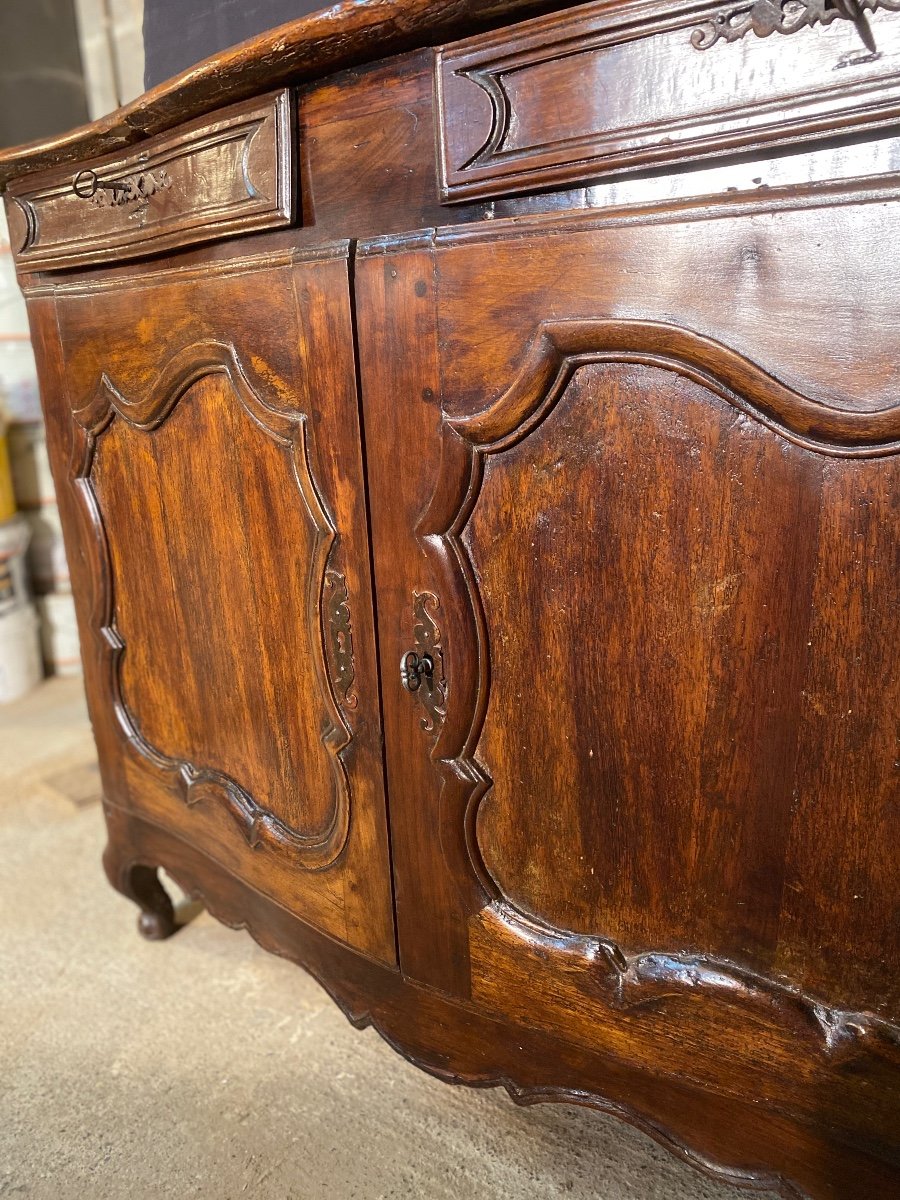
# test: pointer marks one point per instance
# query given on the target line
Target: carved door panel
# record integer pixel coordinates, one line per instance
(210, 461)
(637, 552)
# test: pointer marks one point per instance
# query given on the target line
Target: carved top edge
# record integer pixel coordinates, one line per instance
(186, 367)
(561, 346)
(344, 35)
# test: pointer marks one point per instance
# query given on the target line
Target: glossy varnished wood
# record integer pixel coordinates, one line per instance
(618, 87)
(664, 585)
(626, 477)
(123, 206)
(341, 35)
(462, 1043)
(238, 665)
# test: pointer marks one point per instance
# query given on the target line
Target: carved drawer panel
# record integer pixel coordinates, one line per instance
(210, 179)
(615, 88)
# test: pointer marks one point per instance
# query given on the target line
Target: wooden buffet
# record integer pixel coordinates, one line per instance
(476, 431)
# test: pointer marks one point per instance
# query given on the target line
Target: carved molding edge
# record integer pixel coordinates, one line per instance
(765, 17)
(560, 347)
(558, 350)
(24, 224)
(522, 1094)
(632, 982)
(492, 83)
(198, 784)
(364, 1016)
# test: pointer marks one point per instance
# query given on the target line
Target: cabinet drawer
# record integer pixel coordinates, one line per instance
(611, 88)
(210, 179)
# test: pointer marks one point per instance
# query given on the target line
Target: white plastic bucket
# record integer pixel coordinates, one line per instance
(47, 564)
(59, 633)
(14, 538)
(20, 653)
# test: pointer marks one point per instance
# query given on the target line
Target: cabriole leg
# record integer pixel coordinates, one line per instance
(141, 884)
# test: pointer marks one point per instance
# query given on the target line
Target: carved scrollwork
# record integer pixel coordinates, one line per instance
(113, 193)
(426, 1044)
(432, 692)
(765, 17)
(391, 1025)
(340, 637)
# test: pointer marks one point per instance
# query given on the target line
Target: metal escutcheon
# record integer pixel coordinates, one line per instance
(414, 669)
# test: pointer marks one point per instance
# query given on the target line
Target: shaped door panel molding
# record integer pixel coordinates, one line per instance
(670, 643)
(659, 571)
(101, 485)
(222, 513)
(679, 703)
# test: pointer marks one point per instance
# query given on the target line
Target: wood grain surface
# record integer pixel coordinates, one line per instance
(494, 607)
(124, 206)
(193, 422)
(569, 97)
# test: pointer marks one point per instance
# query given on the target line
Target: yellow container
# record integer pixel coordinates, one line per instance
(7, 499)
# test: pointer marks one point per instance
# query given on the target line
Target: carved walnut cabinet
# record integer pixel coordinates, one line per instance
(476, 430)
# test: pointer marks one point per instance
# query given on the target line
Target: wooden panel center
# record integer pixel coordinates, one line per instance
(221, 668)
(653, 566)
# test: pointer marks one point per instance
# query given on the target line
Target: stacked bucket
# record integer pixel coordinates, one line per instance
(27, 485)
(48, 570)
(20, 651)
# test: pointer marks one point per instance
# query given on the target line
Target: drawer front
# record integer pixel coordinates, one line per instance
(570, 98)
(210, 179)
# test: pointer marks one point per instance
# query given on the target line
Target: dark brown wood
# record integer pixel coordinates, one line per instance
(666, 586)
(462, 1043)
(565, 98)
(366, 141)
(341, 35)
(621, 458)
(123, 206)
(141, 884)
(221, 706)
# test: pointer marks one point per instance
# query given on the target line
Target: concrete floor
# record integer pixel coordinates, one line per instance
(205, 1067)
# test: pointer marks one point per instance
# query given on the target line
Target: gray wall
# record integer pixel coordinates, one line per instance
(41, 85)
(180, 33)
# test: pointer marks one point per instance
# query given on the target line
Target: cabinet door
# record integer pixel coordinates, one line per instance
(205, 438)
(636, 545)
